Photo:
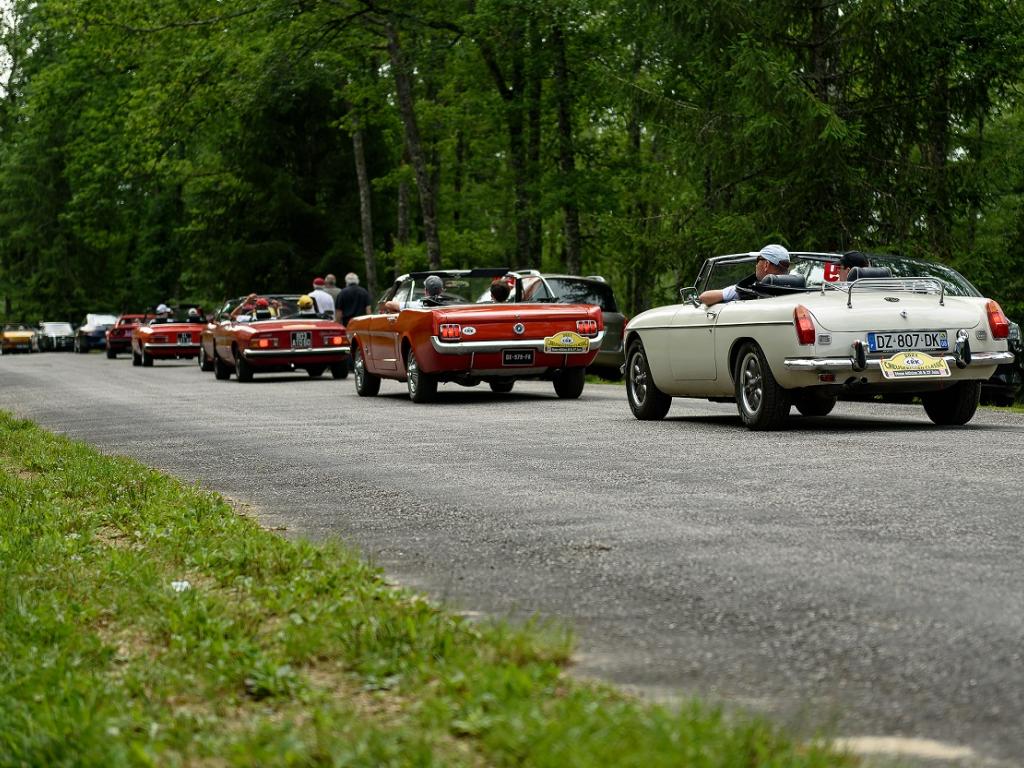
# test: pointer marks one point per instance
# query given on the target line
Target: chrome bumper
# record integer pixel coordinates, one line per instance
(847, 363)
(474, 347)
(288, 353)
(171, 346)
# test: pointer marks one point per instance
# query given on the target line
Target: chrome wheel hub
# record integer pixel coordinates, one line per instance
(638, 378)
(751, 384)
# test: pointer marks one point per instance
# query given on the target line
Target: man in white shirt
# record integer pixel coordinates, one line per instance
(771, 260)
(322, 299)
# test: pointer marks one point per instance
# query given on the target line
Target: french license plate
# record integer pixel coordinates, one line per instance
(184, 338)
(517, 357)
(905, 341)
(302, 339)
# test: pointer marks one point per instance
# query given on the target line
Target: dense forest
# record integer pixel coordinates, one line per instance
(186, 150)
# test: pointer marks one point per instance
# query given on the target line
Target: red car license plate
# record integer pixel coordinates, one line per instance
(302, 339)
(184, 338)
(517, 357)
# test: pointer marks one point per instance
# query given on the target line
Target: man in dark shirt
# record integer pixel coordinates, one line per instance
(353, 301)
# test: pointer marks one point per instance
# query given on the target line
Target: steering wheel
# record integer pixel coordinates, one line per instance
(743, 291)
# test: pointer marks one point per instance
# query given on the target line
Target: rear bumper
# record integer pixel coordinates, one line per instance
(824, 364)
(293, 355)
(478, 347)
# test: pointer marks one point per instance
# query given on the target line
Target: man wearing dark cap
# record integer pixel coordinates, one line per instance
(850, 260)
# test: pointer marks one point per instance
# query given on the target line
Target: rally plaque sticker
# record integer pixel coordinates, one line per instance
(566, 342)
(914, 365)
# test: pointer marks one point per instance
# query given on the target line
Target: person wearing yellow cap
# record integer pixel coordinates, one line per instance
(306, 306)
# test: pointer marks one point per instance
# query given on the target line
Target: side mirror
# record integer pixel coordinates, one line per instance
(689, 295)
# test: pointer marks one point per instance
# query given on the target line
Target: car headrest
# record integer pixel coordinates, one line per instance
(785, 281)
(860, 273)
(263, 314)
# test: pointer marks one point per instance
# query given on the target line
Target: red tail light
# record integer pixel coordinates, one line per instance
(997, 321)
(334, 340)
(451, 331)
(804, 325)
(263, 343)
(586, 327)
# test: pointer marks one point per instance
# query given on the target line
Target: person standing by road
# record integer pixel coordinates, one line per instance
(322, 299)
(331, 287)
(353, 300)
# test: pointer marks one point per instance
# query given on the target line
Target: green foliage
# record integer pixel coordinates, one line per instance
(154, 150)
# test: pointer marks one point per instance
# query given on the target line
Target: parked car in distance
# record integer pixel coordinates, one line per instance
(462, 337)
(119, 335)
(18, 337)
(55, 336)
(800, 339)
(1004, 386)
(92, 333)
(577, 289)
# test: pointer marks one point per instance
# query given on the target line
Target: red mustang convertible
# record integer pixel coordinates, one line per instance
(257, 342)
(165, 339)
(461, 335)
(119, 335)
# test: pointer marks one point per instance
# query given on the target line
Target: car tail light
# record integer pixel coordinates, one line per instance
(586, 327)
(997, 321)
(334, 340)
(804, 325)
(157, 339)
(266, 342)
(451, 331)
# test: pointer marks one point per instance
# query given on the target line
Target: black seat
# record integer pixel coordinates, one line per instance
(785, 281)
(860, 273)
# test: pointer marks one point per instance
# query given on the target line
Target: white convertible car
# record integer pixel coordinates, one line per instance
(804, 339)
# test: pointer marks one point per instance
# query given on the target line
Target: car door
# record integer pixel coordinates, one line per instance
(692, 351)
(383, 334)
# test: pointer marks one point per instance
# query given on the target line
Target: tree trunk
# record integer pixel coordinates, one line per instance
(457, 171)
(407, 109)
(365, 210)
(567, 156)
(533, 94)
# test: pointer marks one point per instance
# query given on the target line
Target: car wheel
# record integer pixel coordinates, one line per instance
(762, 403)
(111, 354)
(501, 387)
(340, 370)
(147, 359)
(647, 402)
(422, 386)
(204, 362)
(221, 370)
(569, 383)
(315, 371)
(136, 358)
(814, 403)
(367, 384)
(243, 371)
(953, 406)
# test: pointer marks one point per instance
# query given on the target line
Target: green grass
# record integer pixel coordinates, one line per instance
(278, 653)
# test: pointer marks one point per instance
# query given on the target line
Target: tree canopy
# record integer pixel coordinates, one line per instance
(185, 150)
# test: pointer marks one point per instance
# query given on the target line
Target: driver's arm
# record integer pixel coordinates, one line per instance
(710, 298)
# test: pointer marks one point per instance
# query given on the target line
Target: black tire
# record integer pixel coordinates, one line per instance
(762, 403)
(367, 384)
(569, 383)
(147, 359)
(221, 370)
(136, 358)
(502, 387)
(111, 354)
(315, 371)
(339, 370)
(954, 406)
(243, 371)
(646, 401)
(814, 403)
(422, 386)
(205, 364)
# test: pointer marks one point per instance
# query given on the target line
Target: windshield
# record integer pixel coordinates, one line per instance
(95, 320)
(956, 284)
(16, 327)
(569, 290)
(459, 289)
(57, 328)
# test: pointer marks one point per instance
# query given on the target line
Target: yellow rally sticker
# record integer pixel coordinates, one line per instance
(566, 342)
(913, 365)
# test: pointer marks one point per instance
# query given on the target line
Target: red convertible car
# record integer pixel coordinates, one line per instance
(459, 335)
(255, 341)
(119, 335)
(168, 338)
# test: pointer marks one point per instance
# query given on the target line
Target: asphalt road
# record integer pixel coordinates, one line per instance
(860, 573)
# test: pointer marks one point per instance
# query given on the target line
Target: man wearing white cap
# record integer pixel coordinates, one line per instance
(771, 260)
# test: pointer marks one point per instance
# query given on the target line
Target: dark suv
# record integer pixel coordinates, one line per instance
(576, 289)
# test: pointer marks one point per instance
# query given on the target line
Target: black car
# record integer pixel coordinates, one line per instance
(92, 334)
(56, 337)
(1005, 384)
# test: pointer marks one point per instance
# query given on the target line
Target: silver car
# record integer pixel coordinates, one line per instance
(578, 289)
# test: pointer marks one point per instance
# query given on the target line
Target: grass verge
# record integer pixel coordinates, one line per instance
(143, 622)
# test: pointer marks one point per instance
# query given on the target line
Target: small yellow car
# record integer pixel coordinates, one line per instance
(18, 337)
